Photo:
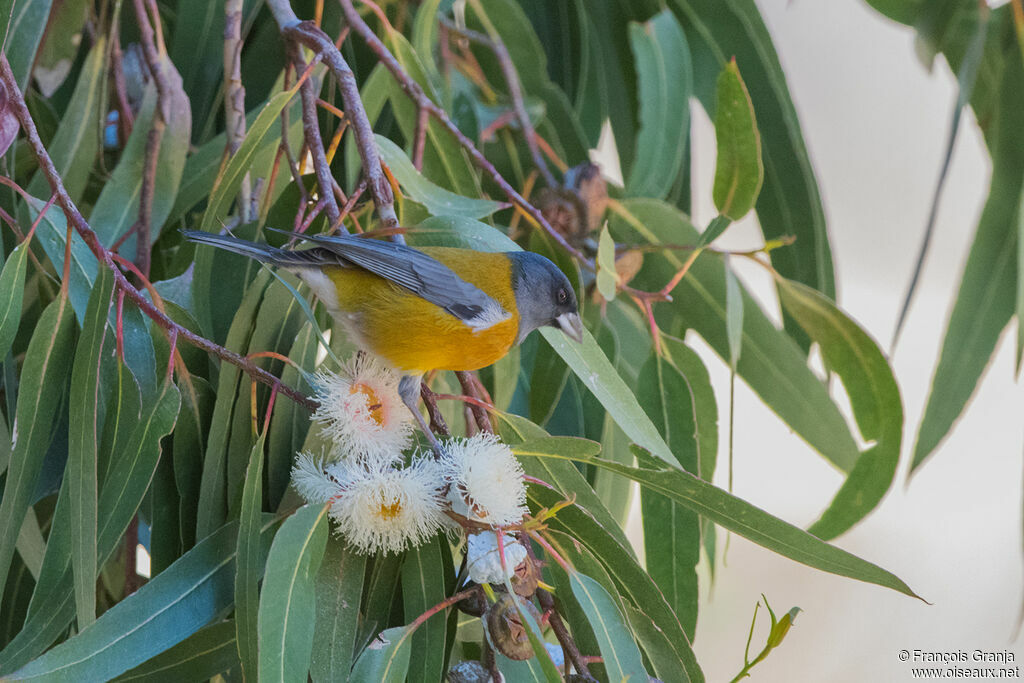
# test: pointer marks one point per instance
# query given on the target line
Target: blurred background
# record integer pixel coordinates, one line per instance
(875, 122)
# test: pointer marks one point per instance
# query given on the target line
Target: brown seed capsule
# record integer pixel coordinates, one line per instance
(474, 605)
(505, 630)
(526, 578)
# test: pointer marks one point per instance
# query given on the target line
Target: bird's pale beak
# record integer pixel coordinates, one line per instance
(571, 325)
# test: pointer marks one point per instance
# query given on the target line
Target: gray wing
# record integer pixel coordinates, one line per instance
(420, 274)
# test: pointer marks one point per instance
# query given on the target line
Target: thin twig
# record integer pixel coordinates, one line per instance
(420, 139)
(471, 387)
(309, 34)
(314, 142)
(150, 38)
(234, 97)
(75, 218)
(420, 99)
(493, 41)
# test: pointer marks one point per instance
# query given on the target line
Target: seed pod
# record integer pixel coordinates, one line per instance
(505, 630)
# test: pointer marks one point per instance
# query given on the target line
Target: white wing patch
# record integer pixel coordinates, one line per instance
(492, 314)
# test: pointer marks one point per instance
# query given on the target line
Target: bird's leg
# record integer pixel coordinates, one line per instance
(409, 390)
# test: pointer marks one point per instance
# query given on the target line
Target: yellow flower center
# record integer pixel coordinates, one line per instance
(373, 402)
(387, 512)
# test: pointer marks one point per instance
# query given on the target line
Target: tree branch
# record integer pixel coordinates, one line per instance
(75, 219)
(420, 99)
(309, 34)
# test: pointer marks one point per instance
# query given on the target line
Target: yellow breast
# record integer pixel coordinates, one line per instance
(416, 336)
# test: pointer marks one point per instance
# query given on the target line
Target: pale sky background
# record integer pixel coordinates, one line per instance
(875, 122)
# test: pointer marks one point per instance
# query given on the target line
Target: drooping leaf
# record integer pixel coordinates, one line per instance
(735, 515)
(853, 355)
(206, 653)
(619, 651)
(339, 586)
(77, 140)
(60, 46)
(249, 570)
(168, 609)
(671, 532)
(24, 22)
(738, 169)
(633, 582)
(789, 202)
(437, 200)
(987, 294)
(12, 294)
(665, 79)
(43, 380)
(288, 602)
(386, 658)
(117, 207)
(83, 447)
(771, 363)
(423, 587)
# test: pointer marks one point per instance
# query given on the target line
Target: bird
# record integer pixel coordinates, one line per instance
(424, 309)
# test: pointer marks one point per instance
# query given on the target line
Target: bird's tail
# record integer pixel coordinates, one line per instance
(265, 253)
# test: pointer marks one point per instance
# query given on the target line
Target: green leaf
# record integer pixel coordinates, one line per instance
(849, 352)
(758, 526)
(733, 316)
(63, 37)
(117, 207)
(25, 22)
(197, 48)
(43, 380)
(74, 146)
(666, 663)
(247, 576)
(83, 447)
(665, 79)
(671, 531)
(386, 658)
(621, 656)
(213, 501)
(771, 363)
(562, 475)
(423, 587)
(52, 235)
(789, 203)
(288, 601)
(437, 200)
(966, 77)
(12, 294)
(226, 188)
(738, 169)
(206, 653)
(600, 377)
(988, 286)
(607, 277)
(632, 581)
(339, 586)
(165, 611)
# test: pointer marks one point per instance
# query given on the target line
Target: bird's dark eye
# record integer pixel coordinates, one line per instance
(562, 296)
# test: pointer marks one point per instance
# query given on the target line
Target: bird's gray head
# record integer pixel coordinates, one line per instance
(544, 296)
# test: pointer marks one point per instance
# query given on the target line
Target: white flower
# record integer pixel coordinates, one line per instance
(362, 412)
(483, 560)
(314, 479)
(486, 480)
(382, 509)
